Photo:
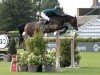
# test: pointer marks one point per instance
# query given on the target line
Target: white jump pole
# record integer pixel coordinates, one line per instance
(72, 49)
(57, 51)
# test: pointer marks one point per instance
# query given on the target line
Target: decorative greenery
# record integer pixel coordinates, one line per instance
(77, 57)
(34, 60)
(50, 57)
(66, 52)
(22, 58)
(88, 40)
(12, 47)
(78, 39)
(36, 44)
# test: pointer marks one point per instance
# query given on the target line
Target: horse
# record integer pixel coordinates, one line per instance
(56, 24)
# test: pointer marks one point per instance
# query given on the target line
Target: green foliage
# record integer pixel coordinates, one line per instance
(66, 52)
(22, 58)
(80, 39)
(12, 47)
(15, 12)
(13, 34)
(36, 44)
(88, 40)
(49, 4)
(34, 60)
(50, 57)
(39, 5)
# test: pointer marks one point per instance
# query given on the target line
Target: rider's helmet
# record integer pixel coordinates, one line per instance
(58, 8)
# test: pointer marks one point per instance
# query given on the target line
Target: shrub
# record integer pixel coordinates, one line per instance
(36, 44)
(22, 58)
(50, 57)
(66, 52)
(12, 47)
(34, 60)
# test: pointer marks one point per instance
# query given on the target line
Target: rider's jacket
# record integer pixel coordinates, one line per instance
(51, 12)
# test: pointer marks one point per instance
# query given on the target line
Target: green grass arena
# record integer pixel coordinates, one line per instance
(89, 65)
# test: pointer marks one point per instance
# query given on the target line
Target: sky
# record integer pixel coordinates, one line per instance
(70, 6)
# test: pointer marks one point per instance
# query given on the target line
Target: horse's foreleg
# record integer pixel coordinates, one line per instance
(63, 29)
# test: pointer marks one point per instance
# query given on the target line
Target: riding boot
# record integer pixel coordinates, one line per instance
(47, 22)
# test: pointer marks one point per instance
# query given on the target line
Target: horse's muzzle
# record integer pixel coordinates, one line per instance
(77, 29)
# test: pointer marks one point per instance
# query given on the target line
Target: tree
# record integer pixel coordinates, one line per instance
(12, 47)
(15, 12)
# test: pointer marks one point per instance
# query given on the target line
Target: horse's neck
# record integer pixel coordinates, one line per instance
(58, 20)
(69, 18)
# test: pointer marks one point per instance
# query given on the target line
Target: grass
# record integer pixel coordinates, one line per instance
(89, 65)
(90, 59)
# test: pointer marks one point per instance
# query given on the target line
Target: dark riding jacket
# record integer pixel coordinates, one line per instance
(51, 12)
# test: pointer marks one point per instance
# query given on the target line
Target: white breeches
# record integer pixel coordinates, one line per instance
(44, 16)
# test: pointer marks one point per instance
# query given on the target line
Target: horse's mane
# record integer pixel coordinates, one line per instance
(61, 19)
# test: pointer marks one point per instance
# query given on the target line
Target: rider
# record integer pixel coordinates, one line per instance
(47, 13)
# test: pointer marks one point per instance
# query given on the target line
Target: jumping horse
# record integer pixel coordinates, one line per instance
(56, 24)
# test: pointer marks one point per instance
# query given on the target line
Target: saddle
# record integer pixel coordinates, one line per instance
(46, 23)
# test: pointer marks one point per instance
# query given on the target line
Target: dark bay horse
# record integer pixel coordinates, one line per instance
(56, 24)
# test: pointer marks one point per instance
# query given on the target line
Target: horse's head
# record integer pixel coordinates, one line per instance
(74, 23)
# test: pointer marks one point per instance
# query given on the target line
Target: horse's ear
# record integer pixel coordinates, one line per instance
(75, 16)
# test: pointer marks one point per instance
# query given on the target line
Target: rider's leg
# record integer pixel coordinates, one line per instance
(45, 16)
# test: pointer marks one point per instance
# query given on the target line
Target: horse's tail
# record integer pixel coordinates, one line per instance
(21, 29)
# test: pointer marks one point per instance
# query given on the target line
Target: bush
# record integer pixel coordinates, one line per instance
(22, 58)
(50, 57)
(66, 52)
(88, 39)
(12, 47)
(34, 60)
(36, 44)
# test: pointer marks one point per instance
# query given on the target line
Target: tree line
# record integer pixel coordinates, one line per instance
(15, 12)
